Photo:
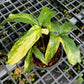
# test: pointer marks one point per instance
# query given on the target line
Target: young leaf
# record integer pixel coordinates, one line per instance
(66, 27)
(55, 27)
(28, 62)
(45, 16)
(21, 47)
(38, 54)
(21, 17)
(52, 46)
(73, 53)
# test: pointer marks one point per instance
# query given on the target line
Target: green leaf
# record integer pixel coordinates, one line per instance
(38, 54)
(45, 16)
(55, 26)
(28, 62)
(80, 79)
(52, 46)
(45, 31)
(21, 47)
(21, 17)
(73, 53)
(66, 27)
(0, 26)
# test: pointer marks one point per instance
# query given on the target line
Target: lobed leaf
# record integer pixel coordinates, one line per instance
(66, 27)
(52, 46)
(28, 62)
(21, 17)
(38, 54)
(21, 47)
(45, 16)
(73, 53)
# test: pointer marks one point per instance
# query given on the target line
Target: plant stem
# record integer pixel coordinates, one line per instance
(43, 44)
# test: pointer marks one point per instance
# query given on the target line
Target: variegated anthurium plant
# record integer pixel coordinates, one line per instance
(25, 45)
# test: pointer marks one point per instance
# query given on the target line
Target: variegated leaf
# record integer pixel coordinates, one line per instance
(21, 17)
(45, 16)
(28, 62)
(52, 46)
(21, 47)
(72, 52)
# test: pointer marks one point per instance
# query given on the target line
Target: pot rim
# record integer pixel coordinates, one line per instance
(45, 68)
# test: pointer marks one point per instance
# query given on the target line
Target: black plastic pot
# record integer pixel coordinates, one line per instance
(54, 65)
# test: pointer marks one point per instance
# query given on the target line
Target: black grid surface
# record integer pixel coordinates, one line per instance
(64, 73)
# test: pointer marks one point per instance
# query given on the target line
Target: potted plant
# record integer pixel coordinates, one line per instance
(44, 28)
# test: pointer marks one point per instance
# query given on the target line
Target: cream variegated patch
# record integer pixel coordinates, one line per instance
(22, 46)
